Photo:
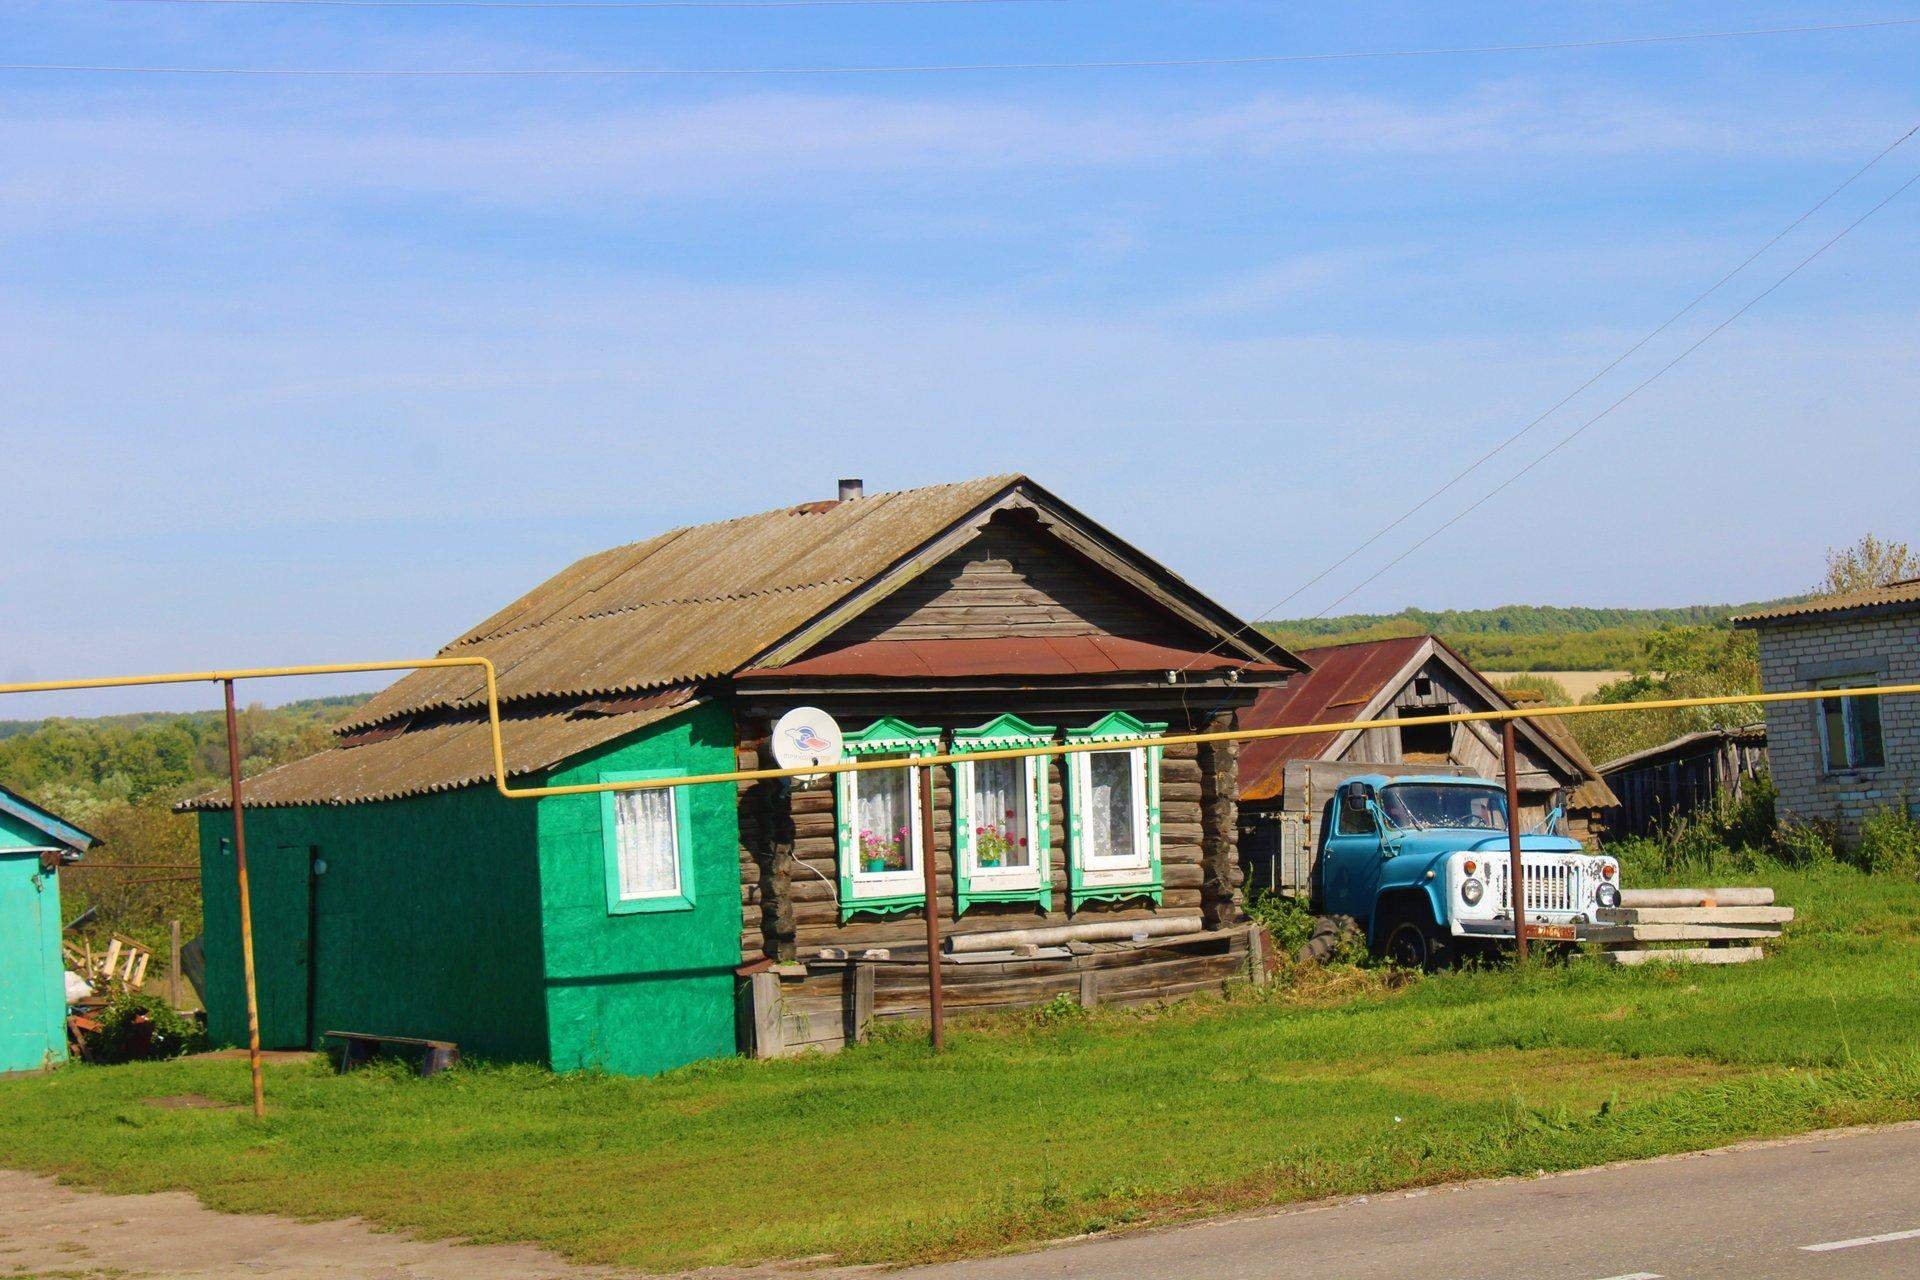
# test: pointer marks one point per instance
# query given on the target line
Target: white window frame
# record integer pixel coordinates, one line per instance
(1002, 879)
(1140, 857)
(881, 884)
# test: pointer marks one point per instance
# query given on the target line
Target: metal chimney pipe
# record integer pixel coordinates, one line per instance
(850, 488)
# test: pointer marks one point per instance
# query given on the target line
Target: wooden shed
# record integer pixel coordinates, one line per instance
(1396, 684)
(33, 1002)
(397, 893)
(1691, 772)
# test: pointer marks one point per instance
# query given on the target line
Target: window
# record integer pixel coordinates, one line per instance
(1850, 733)
(1113, 800)
(1115, 823)
(646, 842)
(879, 820)
(1351, 824)
(1001, 823)
(1418, 742)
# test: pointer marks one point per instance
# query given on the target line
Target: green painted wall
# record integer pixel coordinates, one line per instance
(33, 1021)
(643, 992)
(425, 922)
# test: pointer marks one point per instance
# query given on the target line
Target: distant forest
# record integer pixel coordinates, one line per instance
(1517, 637)
(118, 778)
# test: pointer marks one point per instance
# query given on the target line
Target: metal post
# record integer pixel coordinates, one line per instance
(1516, 870)
(173, 963)
(246, 901)
(934, 1011)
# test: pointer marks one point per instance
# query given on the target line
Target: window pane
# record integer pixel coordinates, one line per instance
(1864, 745)
(1110, 824)
(881, 820)
(999, 813)
(1834, 726)
(648, 844)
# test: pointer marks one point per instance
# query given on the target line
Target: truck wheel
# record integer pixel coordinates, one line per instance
(1410, 940)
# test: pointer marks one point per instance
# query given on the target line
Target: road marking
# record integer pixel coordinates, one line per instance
(1637, 1275)
(1886, 1237)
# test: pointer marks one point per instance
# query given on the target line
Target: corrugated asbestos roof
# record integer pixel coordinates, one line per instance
(1893, 595)
(1008, 656)
(442, 755)
(1344, 679)
(689, 605)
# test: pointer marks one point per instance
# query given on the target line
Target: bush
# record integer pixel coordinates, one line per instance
(135, 1025)
(1889, 843)
(1287, 920)
(1799, 843)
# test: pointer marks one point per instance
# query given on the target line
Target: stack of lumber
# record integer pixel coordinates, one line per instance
(1690, 926)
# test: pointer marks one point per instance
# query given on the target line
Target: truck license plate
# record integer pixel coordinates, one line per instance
(1552, 932)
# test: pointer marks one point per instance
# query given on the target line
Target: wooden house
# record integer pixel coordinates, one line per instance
(33, 1001)
(1287, 783)
(396, 893)
(1691, 772)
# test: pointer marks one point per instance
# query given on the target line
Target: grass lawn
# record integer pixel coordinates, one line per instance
(1024, 1131)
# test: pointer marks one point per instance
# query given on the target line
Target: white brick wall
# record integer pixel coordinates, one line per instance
(1883, 649)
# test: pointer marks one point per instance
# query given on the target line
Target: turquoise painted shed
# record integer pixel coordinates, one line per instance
(33, 844)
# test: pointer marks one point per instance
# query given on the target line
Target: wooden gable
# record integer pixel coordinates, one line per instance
(1014, 579)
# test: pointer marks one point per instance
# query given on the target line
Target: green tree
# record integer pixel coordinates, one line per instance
(1867, 564)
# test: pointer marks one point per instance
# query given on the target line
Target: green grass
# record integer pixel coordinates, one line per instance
(1022, 1131)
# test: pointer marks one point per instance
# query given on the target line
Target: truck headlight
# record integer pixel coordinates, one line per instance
(1607, 895)
(1471, 891)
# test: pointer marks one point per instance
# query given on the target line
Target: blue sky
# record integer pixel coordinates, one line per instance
(310, 370)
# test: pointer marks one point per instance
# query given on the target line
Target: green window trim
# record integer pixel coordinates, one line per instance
(885, 736)
(1086, 885)
(999, 734)
(682, 841)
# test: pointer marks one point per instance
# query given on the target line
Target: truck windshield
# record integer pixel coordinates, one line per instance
(1420, 805)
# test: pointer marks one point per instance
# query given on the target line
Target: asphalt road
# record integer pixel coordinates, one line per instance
(1834, 1206)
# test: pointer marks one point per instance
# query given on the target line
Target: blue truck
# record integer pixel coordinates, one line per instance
(1421, 862)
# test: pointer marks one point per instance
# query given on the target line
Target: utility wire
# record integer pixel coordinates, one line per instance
(1122, 64)
(1609, 367)
(1571, 436)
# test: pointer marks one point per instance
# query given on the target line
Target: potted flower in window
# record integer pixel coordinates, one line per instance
(994, 843)
(879, 852)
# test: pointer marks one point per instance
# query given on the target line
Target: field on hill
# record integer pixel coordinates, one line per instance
(1543, 638)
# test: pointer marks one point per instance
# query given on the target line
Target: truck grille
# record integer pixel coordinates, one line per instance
(1551, 886)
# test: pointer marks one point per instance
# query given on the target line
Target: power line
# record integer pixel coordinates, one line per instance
(1571, 436)
(1609, 367)
(582, 4)
(1122, 64)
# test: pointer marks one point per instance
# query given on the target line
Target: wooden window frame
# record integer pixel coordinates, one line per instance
(1849, 731)
(1033, 883)
(881, 892)
(1139, 874)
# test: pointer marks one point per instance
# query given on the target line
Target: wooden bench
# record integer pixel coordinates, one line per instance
(358, 1047)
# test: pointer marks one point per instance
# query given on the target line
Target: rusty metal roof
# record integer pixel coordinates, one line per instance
(1895, 595)
(443, 754)
(1344, 679)
(1007, 656)
(689, 605)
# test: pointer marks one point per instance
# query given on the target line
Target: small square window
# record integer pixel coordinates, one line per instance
(646, 842)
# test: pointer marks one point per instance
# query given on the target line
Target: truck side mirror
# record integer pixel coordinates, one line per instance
(1355, 803)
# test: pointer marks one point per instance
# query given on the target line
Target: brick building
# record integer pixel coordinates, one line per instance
(1838, 759)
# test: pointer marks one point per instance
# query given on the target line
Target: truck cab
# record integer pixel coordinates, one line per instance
(1422, 864)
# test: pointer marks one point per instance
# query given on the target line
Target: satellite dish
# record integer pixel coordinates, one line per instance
(806, 736)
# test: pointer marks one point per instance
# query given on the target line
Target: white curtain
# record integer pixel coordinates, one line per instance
(1109, 826)
(881, 817)
(999, 813)
(648, 843)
